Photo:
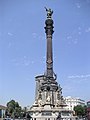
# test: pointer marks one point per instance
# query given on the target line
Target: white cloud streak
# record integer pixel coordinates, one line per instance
(69, 37)
(78, 5)
(22, 61)
(10, 34)
(79, 76)
(36, 36)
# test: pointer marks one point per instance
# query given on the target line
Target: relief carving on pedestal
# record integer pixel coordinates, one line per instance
(40, 98)
(48, 99)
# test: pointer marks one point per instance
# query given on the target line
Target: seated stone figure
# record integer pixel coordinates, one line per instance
(48, 99)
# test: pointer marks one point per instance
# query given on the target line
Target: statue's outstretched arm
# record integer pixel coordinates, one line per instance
(46, 9)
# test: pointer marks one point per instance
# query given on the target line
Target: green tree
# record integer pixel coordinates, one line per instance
(13, 109)
(24, 111)
(80, 110)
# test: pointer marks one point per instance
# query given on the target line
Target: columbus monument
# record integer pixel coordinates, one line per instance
(49, 101)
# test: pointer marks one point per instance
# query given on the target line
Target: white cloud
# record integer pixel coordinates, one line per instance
(79, 32)
(25, 56)
(79, 76)
(72, 40)
(32, 62)
(69, 37)
(35, 35)
(79, 28)
(26, 63)
(78, 5)
(10, 34)
(75, 41)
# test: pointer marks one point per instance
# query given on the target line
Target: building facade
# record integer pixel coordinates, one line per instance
(2, 112)
(72, 102)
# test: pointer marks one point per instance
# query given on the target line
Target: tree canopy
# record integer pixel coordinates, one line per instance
(13, 109)
(80, 110)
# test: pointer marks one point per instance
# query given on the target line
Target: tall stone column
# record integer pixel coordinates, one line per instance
(49, 32)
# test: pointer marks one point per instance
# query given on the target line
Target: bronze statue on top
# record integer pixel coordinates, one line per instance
(49, 12)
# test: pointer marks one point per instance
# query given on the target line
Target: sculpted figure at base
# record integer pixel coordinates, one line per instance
(48, 98)
(40, 102)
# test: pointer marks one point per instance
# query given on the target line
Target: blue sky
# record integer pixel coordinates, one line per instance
(23, 47)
